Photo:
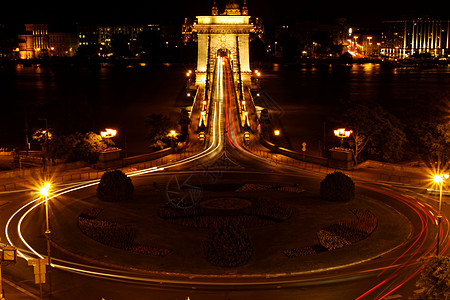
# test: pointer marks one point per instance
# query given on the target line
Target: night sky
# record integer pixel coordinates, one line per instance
(174, 11)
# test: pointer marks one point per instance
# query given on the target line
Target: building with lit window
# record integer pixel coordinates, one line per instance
(407, 38)
(34, 42)
(62, 44)
(38, 42)
(101, 36)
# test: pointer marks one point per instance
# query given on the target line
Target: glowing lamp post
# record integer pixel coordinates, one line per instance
(439, 179)
(342, 133)
(172, 135)
(188, 76)
(258, 75)
(44, 191)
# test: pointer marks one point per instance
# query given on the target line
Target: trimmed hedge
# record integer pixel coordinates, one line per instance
(337, 187)
(115, 186)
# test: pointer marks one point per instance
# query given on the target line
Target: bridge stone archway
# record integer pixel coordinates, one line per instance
(230, 31)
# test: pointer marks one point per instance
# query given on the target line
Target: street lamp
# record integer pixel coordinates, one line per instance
(44, 191)
(439, 179)
(342, 133)
(108, 133)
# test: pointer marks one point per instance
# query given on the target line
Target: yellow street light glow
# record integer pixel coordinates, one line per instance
(172, 132)
(44, 191)
(342, 133)
(276, 132)
(108, 133)
(438, 179)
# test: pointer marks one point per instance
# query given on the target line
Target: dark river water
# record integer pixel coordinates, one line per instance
(88, 98)
(306, 94)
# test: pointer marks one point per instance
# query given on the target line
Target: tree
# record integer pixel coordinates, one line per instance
(115, 186)
(375, 127)
(88, 146)
(71, 147)
(428, 128)
(184, 123)
(158, 127)
(435, 279)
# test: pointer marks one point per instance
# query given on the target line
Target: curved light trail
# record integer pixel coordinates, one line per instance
(387, 270)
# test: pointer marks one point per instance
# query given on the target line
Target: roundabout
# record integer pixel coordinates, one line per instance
(275, 242)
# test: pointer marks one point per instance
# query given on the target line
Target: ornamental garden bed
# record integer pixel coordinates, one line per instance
(114, 234)
(336, 236)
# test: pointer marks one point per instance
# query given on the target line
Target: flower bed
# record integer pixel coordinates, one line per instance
(303, 251)
(108, 233)
(228, 245)
(114, 234)
(341, 234)
(252, 187)
(291, 189)
(330, 240)
(91, 213)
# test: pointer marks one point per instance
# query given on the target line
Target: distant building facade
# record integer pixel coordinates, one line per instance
(406, 38)
(102, 36)
(38, 42)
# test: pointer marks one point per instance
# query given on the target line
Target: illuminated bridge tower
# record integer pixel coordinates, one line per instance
(224, 34)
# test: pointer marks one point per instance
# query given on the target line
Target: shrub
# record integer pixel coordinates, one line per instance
(115, 186)
(434, 280)
(337, 187)
(228, 245)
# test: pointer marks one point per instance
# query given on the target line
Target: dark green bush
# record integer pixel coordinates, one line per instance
(228, 245)
(337, 187)
(115, 186)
